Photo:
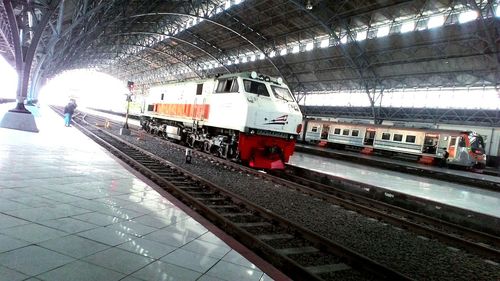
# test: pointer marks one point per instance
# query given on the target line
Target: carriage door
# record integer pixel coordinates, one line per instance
(369, 136)
(430, 143)
(452, 147)
(324, 132)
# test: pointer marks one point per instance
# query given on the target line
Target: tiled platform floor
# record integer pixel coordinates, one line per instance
(69, 211)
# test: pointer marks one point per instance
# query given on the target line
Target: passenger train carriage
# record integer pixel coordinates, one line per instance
(245, 116)
(465, 148)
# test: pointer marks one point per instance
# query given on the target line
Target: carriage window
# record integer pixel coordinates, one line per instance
(386, 136)
(199, 89)
(254, 87)
(355, 133)
(476, 141)
(314, 129)
(397, 137)
(162, 96)
(336, 131)
(410, 139)
(345, 132)
(227, 86)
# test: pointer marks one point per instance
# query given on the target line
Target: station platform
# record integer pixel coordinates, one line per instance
(458, 195)
(70, 211)
(494, 180)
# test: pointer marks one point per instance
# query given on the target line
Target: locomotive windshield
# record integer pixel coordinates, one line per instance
(476, 142)
(255, 87)
(282, 93)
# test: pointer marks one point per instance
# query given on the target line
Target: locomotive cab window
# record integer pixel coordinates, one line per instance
(282, 93)
(345, 132)
(336, 131)
(386, 136)
(162, 96)
(410, 139)
(355, 133)
(314, 129)
(199, 89)
(227, 86)
(255, 87)
(397, 137)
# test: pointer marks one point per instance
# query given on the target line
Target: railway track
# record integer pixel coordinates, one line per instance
(293, 249)
(474, 241)
(480, 243)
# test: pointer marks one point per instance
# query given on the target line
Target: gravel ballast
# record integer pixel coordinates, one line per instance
(417, 257)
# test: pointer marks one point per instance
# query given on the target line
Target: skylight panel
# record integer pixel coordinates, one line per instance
(467, 16)
(361, 35)
(383, 31)
(262, 56)
(408, 26)
(252, 57)
(283, 52)
(272, 54)
(435, 21)
(309, 46)
(295, 49)
(325, 43)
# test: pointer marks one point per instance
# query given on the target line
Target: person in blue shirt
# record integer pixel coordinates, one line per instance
(69, 109)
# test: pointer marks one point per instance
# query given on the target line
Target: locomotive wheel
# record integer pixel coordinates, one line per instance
(206, 147)
(190, 141)
(222, 151)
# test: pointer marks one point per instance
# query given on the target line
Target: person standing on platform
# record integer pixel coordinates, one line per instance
(68, 112)
(444, 161)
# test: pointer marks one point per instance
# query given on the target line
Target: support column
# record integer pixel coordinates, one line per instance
(20, 118)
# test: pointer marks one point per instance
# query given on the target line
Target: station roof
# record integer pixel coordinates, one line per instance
(316, 46)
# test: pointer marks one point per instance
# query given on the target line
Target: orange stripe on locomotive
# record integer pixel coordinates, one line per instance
(198, 111)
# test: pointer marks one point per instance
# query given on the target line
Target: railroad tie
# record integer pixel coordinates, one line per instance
(328, 268)
(275, 236)
(298, 250)
(253, 224)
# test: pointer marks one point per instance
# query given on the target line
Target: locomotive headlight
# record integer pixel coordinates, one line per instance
(252, 132)
(291, 137)
(253, 75)
(299, 129)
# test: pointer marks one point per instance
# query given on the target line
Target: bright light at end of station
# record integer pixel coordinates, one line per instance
(89, 89)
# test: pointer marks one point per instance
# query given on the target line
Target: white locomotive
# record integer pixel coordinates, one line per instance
(464, 148)
(244, 116)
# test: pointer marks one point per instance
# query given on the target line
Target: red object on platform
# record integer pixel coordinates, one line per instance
(428, 160)
(367, 150)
